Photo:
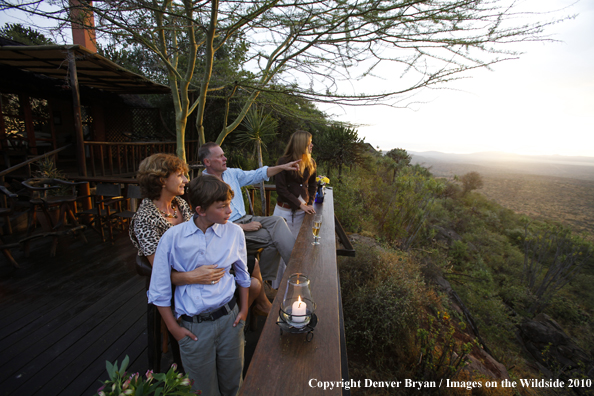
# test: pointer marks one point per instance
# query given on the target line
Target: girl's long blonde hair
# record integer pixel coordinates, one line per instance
(298, 149)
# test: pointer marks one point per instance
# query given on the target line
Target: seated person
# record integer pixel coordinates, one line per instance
(210, 333)
(269, 233)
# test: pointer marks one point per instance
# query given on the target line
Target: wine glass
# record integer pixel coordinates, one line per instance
(315, 228)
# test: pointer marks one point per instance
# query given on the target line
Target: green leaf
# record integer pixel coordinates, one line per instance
(124, 364)
(159, 376)
(111, 369)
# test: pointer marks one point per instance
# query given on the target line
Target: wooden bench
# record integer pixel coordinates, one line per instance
(286, 364)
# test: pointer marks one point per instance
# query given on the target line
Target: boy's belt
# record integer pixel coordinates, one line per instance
(224, 310)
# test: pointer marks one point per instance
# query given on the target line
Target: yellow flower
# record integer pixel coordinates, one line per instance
(322, 179)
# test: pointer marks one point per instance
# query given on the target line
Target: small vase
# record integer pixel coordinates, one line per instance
(320, 194)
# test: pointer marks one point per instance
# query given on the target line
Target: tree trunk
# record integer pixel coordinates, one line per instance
(209, 57)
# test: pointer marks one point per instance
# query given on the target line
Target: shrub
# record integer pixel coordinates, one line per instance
(471, 181)
(383, 294)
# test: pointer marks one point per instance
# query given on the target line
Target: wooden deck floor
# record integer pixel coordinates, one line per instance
(61, 318)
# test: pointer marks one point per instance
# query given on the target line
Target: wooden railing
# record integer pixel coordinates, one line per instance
(287, 364)
(30, 161)
(122, 159)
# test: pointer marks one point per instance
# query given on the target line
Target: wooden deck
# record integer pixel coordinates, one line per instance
(61, 318)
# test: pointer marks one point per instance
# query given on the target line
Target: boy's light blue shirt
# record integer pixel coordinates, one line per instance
(237, 178)
(184, 247)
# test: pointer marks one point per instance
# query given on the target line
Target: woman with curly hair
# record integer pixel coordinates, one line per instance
(162, 180)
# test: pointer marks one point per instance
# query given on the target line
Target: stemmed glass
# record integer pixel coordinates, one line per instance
(315, 228)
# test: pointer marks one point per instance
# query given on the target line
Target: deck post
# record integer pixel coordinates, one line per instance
(78, 129)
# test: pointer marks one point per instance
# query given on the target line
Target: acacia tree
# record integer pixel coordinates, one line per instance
(306, 47)
(337, 146)
(471, 181)
(401, 159)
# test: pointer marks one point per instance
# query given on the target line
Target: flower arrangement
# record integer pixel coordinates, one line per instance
(321, 179)
(157, 384)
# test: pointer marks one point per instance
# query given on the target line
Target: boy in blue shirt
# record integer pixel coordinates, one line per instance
(210, 332)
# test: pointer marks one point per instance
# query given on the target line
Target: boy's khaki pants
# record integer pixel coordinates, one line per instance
(215, 361)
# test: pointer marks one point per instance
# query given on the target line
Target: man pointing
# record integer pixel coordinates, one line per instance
(270, 233)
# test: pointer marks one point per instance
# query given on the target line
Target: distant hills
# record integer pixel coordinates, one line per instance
(491, 162)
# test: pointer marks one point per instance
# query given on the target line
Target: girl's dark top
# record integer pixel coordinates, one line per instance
(289, 185)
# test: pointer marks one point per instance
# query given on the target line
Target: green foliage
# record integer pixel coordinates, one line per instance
(24, 35)
(484, 262)
(158, 384)
(402, 207)
(441, 355)
(349, 205)
(383, 294)
(553, 257)
(259, 130)
(471, 181)
(46, 169)
(338, 146)
(459, 253)
(400, 156)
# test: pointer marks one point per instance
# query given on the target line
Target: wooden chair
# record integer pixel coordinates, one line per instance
(5, 212)
(157, 333)
(107, 202)
(63, 197)
(133, 193)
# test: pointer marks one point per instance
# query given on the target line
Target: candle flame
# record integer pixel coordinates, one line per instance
(299, 298)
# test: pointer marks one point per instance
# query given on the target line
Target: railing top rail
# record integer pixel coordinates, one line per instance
(27, 162)
(90, 143)
(284, 364)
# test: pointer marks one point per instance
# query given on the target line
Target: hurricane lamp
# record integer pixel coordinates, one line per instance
(297, 312)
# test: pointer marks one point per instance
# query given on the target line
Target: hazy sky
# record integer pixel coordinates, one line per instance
(542, 103)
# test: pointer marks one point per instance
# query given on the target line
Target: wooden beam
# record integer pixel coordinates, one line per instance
(3, 141)
(78, 129)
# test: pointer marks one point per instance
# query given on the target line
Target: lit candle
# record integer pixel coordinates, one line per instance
(299, 309)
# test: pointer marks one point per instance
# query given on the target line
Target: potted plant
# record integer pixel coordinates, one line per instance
(46, 169)
(158, 384)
